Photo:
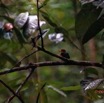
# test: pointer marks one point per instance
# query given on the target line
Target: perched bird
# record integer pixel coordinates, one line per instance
(64, 54)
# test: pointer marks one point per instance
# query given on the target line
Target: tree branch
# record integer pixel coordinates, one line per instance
(52, 54)
(52, 63)
(42, 43)
(12, 91)
(21, 85)
(25, 57)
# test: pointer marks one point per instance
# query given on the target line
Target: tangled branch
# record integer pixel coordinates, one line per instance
(21, 85)
(15, 94)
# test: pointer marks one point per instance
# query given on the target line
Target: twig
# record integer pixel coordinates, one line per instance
(51, 63)
(40, 92)
(21, 85)
(19, 62)
(12, 91)
(42, 42)
(52, 54)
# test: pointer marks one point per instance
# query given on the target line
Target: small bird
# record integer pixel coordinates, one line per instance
(64, 54)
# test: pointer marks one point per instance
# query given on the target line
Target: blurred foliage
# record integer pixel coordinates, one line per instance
(78, 24)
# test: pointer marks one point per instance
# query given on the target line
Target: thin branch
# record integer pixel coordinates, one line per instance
(40, 92)
(25, 57)
(42, 42)
(15, 69)
(52, 54)
(21, 85)
(12, 91)
(51, 63)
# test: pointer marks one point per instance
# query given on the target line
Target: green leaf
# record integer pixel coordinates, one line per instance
(9, 57)
(2, 61)
(44, 4)
(4, 8)
(71, 88)
(11, 20)
(84, 20)
(94, 29)
(44, 97)
(20, 36)
(91, 72)
(57, 90)
(48, 18)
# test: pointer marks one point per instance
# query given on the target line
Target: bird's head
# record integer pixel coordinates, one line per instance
(62, 50)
